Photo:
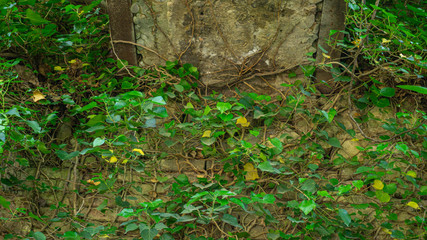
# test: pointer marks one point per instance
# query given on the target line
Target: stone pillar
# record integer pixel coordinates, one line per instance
(121, 25)
(333, 18)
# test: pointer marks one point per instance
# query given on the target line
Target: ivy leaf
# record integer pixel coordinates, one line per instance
(131, 227)
(102, 205)
(251, 172)
(149, 234)
(98, 142)
(243, 121)
(387, 92)
(227, 218)
(363, 169)
(267, 167)
(39, 236)
(382, 196)
(208, 141)
(4, 202)
(206, 133)
(413, 205)
(307, 206)
(378, 184)
(223, 106)
(35, 18)
(158, 100)
(309, 185)
(88, 106)
(397, 234)
(329, 115)
(334, 142)
(35, 126)
(138, 151)
(345, 216)
(63, 155)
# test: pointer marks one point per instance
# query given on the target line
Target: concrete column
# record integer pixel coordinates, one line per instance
(121, 25)
(333, 18)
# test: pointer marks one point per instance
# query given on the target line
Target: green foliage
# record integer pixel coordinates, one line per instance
(260, 168)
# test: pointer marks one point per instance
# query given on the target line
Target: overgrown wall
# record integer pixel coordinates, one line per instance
(228, 40)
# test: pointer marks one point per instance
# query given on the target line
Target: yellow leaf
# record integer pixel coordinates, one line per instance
(112, 151)
(90, 181)
(356, 42)
(125, 161)
(78, 50)
(385, 41)
(412, 174)
(113, 159)
(37, 96)
(355, 140)
(326, 56)
(413, 205)
(386, 231)
(378, 184)
(207, 133)
(72, 61)
(58, 68)
(243, 121)
(251, 172)
(139, 151)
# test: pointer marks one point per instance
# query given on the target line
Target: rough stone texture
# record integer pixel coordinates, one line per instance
(122, 29)
(333, 17)
(227, 40)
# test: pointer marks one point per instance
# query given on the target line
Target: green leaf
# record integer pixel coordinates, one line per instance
(131, 227)
(32, 215)
(329, 115)
(397, 234)
(39, 236)
(382, 196)
(35, 126)
(387, 92)
(417, 89)
(126, 212)
(127, 85)
(344, 216)
(158, 100)
(309, 185)
(98, 142)
(102, 205)
(35, 18)
(4, 202)
(402, 147)
(179, 88)
(88, 106)
(63, 155)
(227, 218)
(358, 184)
(324, 194)
(307, 206)
(149, 234)
(334, 142)
(223, 106)
(268, 199)
(277, 144)
(208, 141)
(390, 188)
(267, 167)
(363, 169)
